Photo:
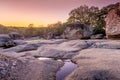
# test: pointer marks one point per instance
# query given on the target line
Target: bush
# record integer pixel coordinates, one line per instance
(56, 28)
(98, 30)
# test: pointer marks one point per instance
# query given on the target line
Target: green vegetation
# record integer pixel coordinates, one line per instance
(92, 16)
(32, 31)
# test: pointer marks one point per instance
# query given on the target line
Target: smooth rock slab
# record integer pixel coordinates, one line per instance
(63, 50)
(107, 44)
(96, 64)
(22, 48)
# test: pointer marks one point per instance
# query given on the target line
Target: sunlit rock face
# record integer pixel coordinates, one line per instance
(77, 31)
(113, 23)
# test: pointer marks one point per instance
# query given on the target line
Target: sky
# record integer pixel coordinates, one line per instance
(41, 12)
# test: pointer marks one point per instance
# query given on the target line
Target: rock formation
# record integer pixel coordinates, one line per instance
(6, 41)
(42, 59)
(15, 35)
(77, 31)
(113, 23)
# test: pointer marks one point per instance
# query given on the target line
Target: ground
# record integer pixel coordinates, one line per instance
(42, 59)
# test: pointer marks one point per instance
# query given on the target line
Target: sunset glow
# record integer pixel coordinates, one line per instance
(41, 12)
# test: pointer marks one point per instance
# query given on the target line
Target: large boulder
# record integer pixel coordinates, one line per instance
(96, 64)
(6, 41)
(113, 23)
(77, 31)
(15, 35)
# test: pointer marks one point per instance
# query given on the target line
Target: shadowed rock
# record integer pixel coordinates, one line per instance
(108, 44)
(77, 31)
(22, 48)
(6, 41)
(15, 36)
(97, 36)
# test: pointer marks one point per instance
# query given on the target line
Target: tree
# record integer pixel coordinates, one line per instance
(104, 11)
(102, 15)
(85, 15)
(31, 25)
(29, 30)
(89, 16)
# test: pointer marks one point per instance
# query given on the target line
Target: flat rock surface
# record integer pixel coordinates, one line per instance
(96, 64)
(42, 59)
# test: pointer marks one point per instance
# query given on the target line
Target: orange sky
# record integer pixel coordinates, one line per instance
(41, 12)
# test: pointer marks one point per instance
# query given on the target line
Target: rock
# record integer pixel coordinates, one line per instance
(20, 42)
(6, 41)
(43, 69)
(15, 36)
(96, 64)
(113, 23)
(77, 31)
(22, 48)
(14, 69)
(58, 37)
(41, 59)
(107, 44)
(73, 45)
(97, 36)
(63, 50)
(50, 35)
(51, 41)
(11, 68)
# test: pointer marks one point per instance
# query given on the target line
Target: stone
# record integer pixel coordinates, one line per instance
(11, 68)
(15, 36)
(22, 48)
(42, 59)
(63, 50)
(15, 69)
(96, 64)
(6, 41)
(113, 23)
(58, 37)
(50, 35)
(20, 42)
(77, 31)
(97, 36)
(107, 44)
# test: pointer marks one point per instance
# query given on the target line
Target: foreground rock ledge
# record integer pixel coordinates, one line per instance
(14, 69)
(96, 64)
(96, 60)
